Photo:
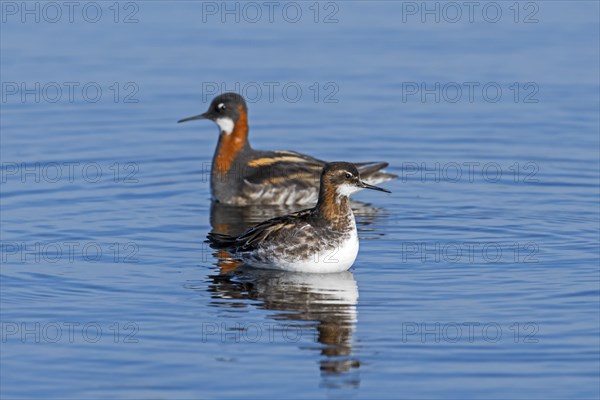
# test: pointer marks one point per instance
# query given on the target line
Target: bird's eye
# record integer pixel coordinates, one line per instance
(221, 107)
(348, 175)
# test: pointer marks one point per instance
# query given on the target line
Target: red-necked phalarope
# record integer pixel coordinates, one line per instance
(242, 176)
(322, 239)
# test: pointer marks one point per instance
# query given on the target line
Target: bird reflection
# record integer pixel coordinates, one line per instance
(323, 304)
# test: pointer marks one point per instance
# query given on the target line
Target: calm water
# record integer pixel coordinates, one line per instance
(477, 277)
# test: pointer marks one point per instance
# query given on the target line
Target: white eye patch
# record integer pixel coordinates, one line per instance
(221, 106)
(226, 124)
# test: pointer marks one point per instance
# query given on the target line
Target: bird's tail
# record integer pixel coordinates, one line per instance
(373, 173)
(220, 241)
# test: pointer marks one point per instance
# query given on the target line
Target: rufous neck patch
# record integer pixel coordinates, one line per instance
(333, 208)
(230, 145)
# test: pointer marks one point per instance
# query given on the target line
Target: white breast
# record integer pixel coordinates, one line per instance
(337, 259)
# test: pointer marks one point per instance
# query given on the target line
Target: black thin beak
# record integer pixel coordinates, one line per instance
(367, 186)
(195, 117)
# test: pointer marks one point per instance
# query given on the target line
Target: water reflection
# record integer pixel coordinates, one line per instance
(323, 306)
(319, 305)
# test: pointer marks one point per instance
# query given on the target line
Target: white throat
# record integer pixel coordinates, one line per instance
(347, 189)
(225, 124)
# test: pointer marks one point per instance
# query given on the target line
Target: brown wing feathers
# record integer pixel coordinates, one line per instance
(256, 235)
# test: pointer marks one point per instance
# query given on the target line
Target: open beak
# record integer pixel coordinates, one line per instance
(367, 186)
(195, 117)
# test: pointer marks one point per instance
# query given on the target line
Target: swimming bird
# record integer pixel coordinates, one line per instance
(241, 175)
(322, 239)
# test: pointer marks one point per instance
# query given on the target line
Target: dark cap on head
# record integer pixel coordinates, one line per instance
(344, 174)
(339, 166)
(226, 105)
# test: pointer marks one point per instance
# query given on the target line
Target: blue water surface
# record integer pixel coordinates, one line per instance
(478, 277)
